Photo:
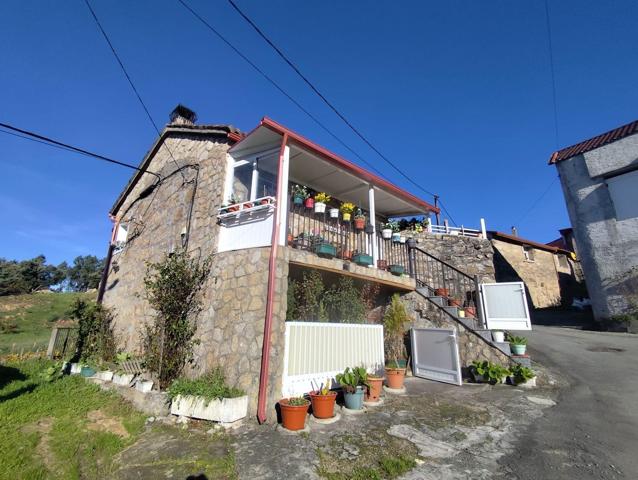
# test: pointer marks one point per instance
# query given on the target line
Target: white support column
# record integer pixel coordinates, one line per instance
(483, 229)
(283, 197)
(373, 222)
(253, 182)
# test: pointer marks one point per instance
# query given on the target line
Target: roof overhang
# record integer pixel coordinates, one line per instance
(323, 170)
(524, 242)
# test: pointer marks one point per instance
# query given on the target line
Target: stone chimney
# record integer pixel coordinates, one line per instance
(514, 232)
(182, 115)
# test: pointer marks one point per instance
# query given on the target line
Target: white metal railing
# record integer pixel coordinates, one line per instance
(447, 230)
(316, 351)
(246, 207)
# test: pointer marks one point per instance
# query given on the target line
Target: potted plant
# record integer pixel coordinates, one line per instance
(518, 344)
(359, 219)
(76, 368)
(375, 385)
(346, 210)
(362, 259)
(122, 378)
(394, 321)
(470, 311)
(353, 382)
(321, 199)
(522, 376)
(346, 254)
(441, 292)
(382, 264)
(105, 375)
(397, 270)
(386, 232)
(299, 194)
(498, 336)
(402, 239)
(323, 401)
(461, 313)
(208, 398)
(87, 371)
(144, 385)
(310, 201)
(293, 412)
(324, 248)
(334, 212)
(454, 302)
(233, 204)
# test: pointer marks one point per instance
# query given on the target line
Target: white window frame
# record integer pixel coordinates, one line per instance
(526, 253)
(620, 187)
(121, 236)
(251, 159)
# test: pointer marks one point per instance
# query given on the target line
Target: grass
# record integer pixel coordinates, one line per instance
(68, 428)
(33, 316)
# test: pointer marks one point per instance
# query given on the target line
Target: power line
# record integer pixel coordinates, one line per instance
(35, 137)
(130, 81)
(326, 101)
(553, 73)
(542, 195)
(276, 85)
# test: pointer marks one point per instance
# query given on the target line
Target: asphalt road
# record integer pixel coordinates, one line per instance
(593, 430)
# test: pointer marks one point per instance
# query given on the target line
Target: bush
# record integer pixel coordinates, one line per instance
(96, 340)
(394, 320)
(211, 386)
(173, 288)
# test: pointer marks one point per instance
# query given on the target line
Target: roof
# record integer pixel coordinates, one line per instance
(212, 129)
(595, 142)
(524, 242)
(341, 162)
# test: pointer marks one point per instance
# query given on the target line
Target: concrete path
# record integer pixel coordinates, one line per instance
(593, 431)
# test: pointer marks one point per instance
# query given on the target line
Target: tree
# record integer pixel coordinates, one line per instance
(85, 273)
(29, 275)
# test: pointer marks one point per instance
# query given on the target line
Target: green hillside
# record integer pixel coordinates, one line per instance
(26, 320)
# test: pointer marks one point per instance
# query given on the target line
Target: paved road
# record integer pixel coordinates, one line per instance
(593, 431)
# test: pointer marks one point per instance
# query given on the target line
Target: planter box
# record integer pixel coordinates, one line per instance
(105, 375)
(76, 368)
(123, 379)
(397, 270)
(225, 410)
(326, 250)
(363, 260)
(144, 386)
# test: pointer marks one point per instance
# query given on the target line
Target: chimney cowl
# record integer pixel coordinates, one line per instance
(182, 115)
(514, 232)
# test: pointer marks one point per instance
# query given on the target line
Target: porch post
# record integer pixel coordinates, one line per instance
(282, 207)
(373, 222)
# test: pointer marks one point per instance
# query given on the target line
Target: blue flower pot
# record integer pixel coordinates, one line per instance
(87, 372)
(297, 200)
(518, 349)
(354, 401)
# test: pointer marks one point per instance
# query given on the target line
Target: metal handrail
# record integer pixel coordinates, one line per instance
(442, 261)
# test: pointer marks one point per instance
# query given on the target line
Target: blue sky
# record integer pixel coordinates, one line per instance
(458, 93)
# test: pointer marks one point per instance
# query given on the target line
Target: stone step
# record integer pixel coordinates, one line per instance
(454, 311)
(440, 301)
(486, 334)
(503, 347)
(523, 360)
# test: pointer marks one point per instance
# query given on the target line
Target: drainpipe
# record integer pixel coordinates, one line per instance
(107, 262)
(274, 241)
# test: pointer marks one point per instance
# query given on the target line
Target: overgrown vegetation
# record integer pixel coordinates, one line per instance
(26, 320)
(173, 288)
(309, 299)
(394, 321)
(96, 340)
(211, 386)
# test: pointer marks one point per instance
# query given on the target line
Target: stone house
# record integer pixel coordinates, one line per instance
(214, 190)
(599, 177)
(552, 275)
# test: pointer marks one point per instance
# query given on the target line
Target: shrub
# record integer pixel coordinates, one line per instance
(492, 372)
(173, 288)
(96, 340)
(322, 197)
(394, 320)
(344, 302)
(211, 386)
(521, 374)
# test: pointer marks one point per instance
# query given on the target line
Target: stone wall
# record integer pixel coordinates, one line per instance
(471, 255)
(471, 346)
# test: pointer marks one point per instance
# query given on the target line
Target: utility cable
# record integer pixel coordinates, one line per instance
(552, 71)
(327, 102)
(130, 81)
(35, 137)
(542, 195)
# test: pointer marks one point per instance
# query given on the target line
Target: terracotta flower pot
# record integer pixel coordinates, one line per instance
(470, 311)
(394, 377)
(359, 223)
(248, 205)
(382, 264)
(346, 255)
(323, 406)
(265, 201)
(454, 302)
(373, 393)
(293, 417)
(441, 292)
(310, 202)
(234, 208)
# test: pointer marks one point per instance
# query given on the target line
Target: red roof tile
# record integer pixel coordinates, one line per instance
(596, 142)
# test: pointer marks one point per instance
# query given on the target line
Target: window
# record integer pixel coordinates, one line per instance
(528, 253)
(120, 237)
(254, 178)
(623, 190)
(562, 261)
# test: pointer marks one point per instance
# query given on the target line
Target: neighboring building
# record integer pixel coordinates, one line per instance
(266, 239)
(600, 181)
(552, 275)
(566, 241)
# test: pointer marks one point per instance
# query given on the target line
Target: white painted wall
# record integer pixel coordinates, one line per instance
(249, 230)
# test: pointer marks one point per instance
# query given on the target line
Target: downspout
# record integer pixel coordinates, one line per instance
(265, 349)
(107, 262)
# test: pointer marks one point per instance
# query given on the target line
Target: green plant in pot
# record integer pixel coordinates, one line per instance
(299, 194)
(293, 412)
(359, 219)
(484, 371)
(394, 321)
(520, 375)
(323, 401)
(353, 381)
(517, 344)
